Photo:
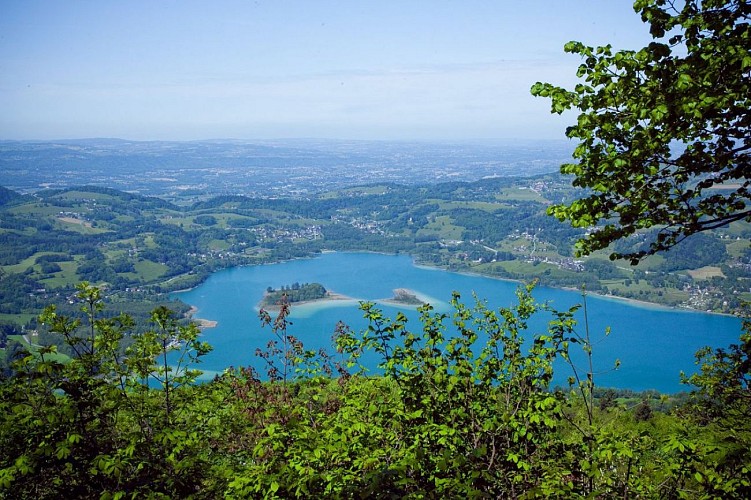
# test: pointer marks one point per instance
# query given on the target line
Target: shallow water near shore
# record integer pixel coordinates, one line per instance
(653, 344)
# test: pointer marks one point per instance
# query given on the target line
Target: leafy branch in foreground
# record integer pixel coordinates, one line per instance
(91, 426)
(664, 131)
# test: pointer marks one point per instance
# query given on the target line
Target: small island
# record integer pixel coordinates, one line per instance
(294, 293)
(406, 297)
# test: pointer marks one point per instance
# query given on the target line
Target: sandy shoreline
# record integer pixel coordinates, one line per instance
(330, 297)
(392, 301)
(334, 297)
(206, 323)
(202, 323)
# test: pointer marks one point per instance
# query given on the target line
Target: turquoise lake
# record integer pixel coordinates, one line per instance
(652, 343)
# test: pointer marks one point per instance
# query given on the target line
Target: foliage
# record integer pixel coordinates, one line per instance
(8, 196)
(293, 293)
(724, 382)
(5, 330)
(465, 414)
(664, 130)
(462, 409)
(481, 381)
(722, 407)
(92, 426)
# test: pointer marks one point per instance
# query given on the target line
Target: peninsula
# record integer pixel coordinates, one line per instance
(202, 323)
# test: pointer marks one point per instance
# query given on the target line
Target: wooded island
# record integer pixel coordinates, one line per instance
(293, 293)
(406, 296)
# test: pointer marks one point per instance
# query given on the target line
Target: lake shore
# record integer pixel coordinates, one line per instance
(330, 297)
(202, 323)
(645, 304)
(653, 346)
(395, 301)
(637, 302)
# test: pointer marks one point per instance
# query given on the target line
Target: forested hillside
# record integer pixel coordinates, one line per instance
(140, 247)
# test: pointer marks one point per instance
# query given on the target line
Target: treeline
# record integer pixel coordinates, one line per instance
(698, 251)
(293, 293)
(7, 329)
(8, 196)
(18, 292)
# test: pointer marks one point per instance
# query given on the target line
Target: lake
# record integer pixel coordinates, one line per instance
(652, 343)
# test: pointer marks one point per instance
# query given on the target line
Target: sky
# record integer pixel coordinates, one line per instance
(435, 70)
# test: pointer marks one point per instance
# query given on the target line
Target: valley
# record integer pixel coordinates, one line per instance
(141, 247)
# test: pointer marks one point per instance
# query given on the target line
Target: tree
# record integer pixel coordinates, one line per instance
(724, 382)
(664, 131)
(91, 426)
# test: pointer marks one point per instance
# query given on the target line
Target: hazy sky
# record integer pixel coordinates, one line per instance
(381, 69)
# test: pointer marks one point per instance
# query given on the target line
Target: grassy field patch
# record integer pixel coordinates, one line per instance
(38, 210)
(79, 226)
(474, 205)
(67, 277)
(19, 319)
(218, 245)
(24, 264)
(444, 228)
(737, 248)
(520, 194)
(150, 271)
(705, 272)
(61, 358)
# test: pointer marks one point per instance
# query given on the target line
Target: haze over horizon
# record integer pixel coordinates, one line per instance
(417, 70)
